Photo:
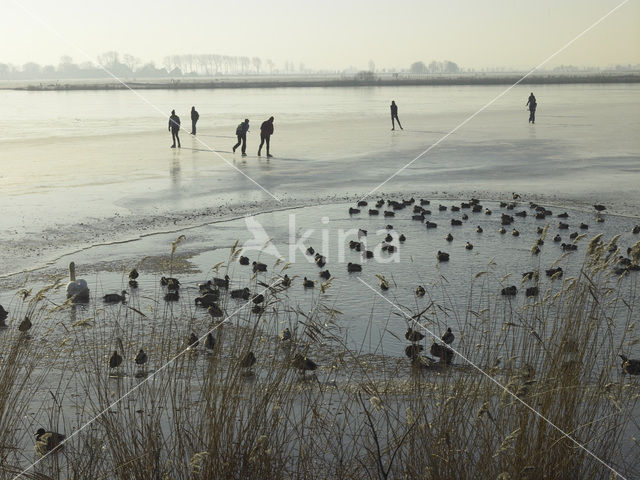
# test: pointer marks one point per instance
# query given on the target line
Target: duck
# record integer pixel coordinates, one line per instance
(48, 442)
(599, 219)
(539, 230)
(563, 215)
(308, 283)
(77, 288)
(170, 282)
(387, 213)
(259, 267)
(442, 208)
(443, 352)
(242, 293)
(569, 247)
(557, 238)
(599, 207)
(192, 341)
(455, 208)
(413, 335)
(584, 226)
(388, 238)
(206, 287)
(310, 251)
(535, 250)
(362, 203)
(522, 214)
(573, 236)
(417, 209)
(388, 227)
(354, 267)
(431, 224)
(115, 360)
(402, 238)
(141, 357)
(215, 311)
(303, 363)
(632, 367)
(442, 256)
(244, 261)
(563, 226)
(286, 281)
(532, 275)
(221, 282)
(554, 271)
(465, 205)
(476, 208)
(508, 291)
(133, 275)
(449, 237)
(532, 291)
(362, 232)
(3, 316)
(172, 297)
(487, 211)
(502, 230)
(465, 216)
(258, 299)
(479, 229)
(210, 341)
(247, 361)
(373, 211)
(424, 201)
(418, 218)
(115, 297)
(636, 229)
(384, 284)
(208, 299)
(413, 350)
(468, 246)
(455, 222)
(420, 291)
(448, 336)
(379, 203)
(285, 335)
(320, 260)
(324, 274)
(506, 219)
(515, 233)
(353, 211)
(25, 325)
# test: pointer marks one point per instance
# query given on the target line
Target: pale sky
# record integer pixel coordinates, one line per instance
(331, 34)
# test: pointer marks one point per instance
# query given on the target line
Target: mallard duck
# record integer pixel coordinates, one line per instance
(557, 238)
(170, 282)
(172, 297)
(563, 215)
(206, 287)
(515, 233)
(285, 335)
(511, 290)
(192, 341)
(573, 236)
(247, 361)
(259, 267)
(324, 274)
(443, 352)
(532, 292)
(208, 299)
(221, 282)
(599, 208)
(455, 208)
(413, 350)
(286, 281)
(242, 293)
(115, 360)
(373, 211)
(479, 229)
(563, 226)
(431, 224)
(77, 288)
(420, 291)
(141, 357)
(47, 442)
(465, 216)
(449, 237)
(362, 203)
(354, 267)
(210, 342)
(448, 336)
(258, 299)
(442, 208)
(442, 256)
(584, 226)
(303, 363)
(424, 201)
(308, 283)
(215, 311)
(3, 316)
(244, 261)
(115, 297)
(632, 367)
(353, 211)
(25, 325)
(387, 213)
(320, 260)
(413, 335)
(468, 246)
(133, 274)
(455, 222)
(522, 214)
(502, 230)
(402, 238)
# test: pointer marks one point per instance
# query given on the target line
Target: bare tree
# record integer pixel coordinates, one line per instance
(270, 65)
(257, 63)
(130, 61)
(244, 63)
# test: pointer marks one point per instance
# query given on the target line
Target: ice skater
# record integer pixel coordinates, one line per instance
(266, 130)
(241, 133)
(194, 119)
(394, 116)
(532, 108)
(174, 127)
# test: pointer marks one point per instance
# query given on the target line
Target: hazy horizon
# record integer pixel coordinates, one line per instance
(333, 37)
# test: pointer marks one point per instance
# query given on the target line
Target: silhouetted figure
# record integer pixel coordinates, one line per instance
(194, 119)
(394, 116)
(532, 108)
(174, 127)
(241, 133)
(266, 130)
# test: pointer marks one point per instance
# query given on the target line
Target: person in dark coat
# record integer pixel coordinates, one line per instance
(194, 119)
(532, 108)
(174, 127)
(266, 130)
(241, 133)
(394, 116)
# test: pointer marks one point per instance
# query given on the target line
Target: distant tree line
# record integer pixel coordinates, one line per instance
(434, 67)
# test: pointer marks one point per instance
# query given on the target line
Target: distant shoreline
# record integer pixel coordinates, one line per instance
(279, 82)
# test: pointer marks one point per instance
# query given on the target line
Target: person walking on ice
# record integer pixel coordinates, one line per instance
(174, 128)
(394, 116)
(194, 119)
(266, 130)
(532, 108)
(241, 133)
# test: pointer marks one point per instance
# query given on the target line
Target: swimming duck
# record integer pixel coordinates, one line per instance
(540, 215)
(419, 218)
(573, 236)
(362, 203)
(502, 230)
(413, 350)
(192, 341)
(285, 335)
(325, 274)
(77, 289)
(389, 227)
(310, 251)
(354, 267)
(455, 208)
(389, 214)
(114, 297)
(115, 360)
(133, 274)
(417, 209)
(442, 256)
(320, 260)
(599, 219)
(248, 360)
(47, 442)
(455, 222)
(487, 211)
(362, 232)
(563, 226)
(476, 208)
(425, 202)
(388, 238)
(557, 238)
(308, 283)
(25, 325)
(632, 367)
(553, 271)
(141, 357)
(443, 352)
(384, 284)
(539, 230)
(303, 363)
(3, 316)
(532, 275)
(515, 233)
(413, 335)
(599, 208)
(353, 211)
(479, 229)
(420, 291)
(208, 299)
(506, 219)
(210, 342)
(636, 229)
(373, 212)
(468, 246)
(258, 299)
(532, 292)
(431, 224)
(379, 203)
(511, 290)
(215, 311)
(449, 237)
(584, 226)
(221, 282)
(535, 250)
(465, 205)
(259, 267)
(368, 254)
(569, 247)
(448, 337)
(563, 215)
(242, 293)
(442, 208)
(244, 260)
(523, 214)
(402, 238)
(170, 282)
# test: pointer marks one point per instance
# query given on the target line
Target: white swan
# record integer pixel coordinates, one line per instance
(78, 290)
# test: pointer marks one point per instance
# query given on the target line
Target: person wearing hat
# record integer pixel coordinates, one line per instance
(174, 127)
(241, 133)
